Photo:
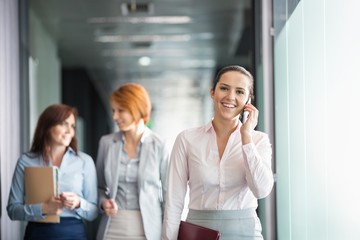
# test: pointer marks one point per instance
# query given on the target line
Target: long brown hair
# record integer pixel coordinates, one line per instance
(51, 116)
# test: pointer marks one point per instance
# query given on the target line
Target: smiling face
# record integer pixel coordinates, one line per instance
(61, 134)
(230, 95)
(124, 120)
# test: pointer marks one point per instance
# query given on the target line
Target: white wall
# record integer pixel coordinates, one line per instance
(45, 67)
(45, 88)
(9, 109)
(317, 122)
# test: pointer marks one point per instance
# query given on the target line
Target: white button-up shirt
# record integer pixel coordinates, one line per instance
(235, 181)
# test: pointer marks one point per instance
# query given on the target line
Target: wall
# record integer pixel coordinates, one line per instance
(9, 109)
(316, 84)
(45, 84)
(44, 89)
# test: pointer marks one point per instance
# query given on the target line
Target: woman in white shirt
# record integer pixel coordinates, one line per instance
(225, 163)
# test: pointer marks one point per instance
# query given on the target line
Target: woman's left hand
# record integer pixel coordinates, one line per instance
(70, 200)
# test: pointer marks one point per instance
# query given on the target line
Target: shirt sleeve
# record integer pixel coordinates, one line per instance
(100, 172)
(259, 174)
(88, 203)
(177, 187)
(16, 207)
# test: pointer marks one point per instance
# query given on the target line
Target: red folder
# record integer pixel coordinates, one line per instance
(189, 231)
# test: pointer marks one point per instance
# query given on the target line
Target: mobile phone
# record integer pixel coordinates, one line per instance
(106, 191)
(244, 114)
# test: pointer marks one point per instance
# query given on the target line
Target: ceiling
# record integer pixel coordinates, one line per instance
(185, 41)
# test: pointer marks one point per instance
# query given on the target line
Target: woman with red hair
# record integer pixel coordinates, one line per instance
(132, 167)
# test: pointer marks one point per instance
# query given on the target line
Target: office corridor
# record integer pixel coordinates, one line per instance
(304, 55)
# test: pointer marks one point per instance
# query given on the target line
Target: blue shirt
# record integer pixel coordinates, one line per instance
(127, 196)
(77, 174)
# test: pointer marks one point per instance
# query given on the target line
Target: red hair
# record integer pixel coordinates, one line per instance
(135, 99)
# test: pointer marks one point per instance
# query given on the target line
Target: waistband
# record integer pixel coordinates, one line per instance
(70, 219)
(221, 214)
(63, 220)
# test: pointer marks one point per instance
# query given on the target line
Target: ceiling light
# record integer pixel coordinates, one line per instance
(141, 52)
(143, 38)
(144, 61)
(134, 20)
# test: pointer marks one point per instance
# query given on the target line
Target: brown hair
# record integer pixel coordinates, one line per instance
(236, 68)
(51, 116)
(133, 98)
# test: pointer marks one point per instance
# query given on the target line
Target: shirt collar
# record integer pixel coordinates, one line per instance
(69, 149)
(209, 126)
(120, 136)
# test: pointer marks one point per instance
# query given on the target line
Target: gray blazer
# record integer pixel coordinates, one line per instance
(154, 158)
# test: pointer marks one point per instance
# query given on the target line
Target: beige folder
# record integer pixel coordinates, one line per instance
(41, 183)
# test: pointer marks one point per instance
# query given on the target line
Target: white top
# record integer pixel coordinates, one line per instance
(235, 181)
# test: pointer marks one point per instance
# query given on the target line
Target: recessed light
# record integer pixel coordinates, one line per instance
(144, 61)
(155, 20)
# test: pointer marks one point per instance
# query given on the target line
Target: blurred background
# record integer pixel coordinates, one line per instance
(173, 48)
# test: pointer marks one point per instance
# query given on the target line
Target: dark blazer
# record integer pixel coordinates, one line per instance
(154, 158)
